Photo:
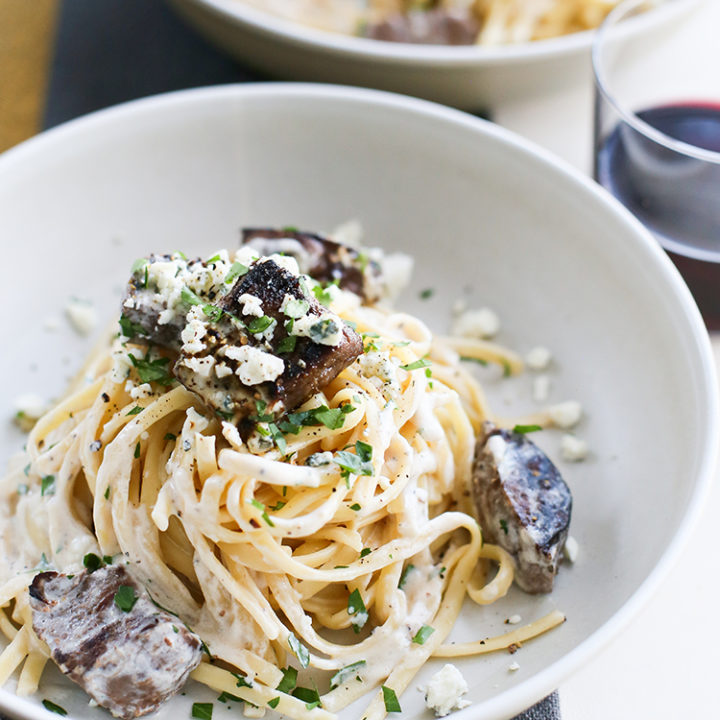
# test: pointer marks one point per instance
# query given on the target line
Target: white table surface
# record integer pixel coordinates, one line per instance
(665, 665)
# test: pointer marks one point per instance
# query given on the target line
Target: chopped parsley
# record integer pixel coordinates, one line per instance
(310, 696)
(92, 562)
(423, 634)
(170, 436)
(135, 411)
(279, 505)
(241, 680)
(236, 270)
(274, 702)
(125, 597)
(52, 707)
(332, 418)
(129, 328)
(295, 308)
(257, 504)
(356, 608)
(202, 711)
(427, 293)
(224, 696)
(289, 680)
(107, 493)
(152, 370)
(301, 652)
(356, 507)
(357, 463)
(258, 325)
(136, 454)
(345, 673)
(403, 578)
(287, 344)
(423, 362)
(504, 525)
(364, 552)
(47, 485)
(523, 429)
(322, 295)
(390, 700)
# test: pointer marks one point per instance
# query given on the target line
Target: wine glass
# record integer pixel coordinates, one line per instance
(657, 139)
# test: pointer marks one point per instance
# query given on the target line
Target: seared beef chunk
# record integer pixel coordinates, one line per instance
(145, 315)
(129, 657)
(440, 26)
(274, 344)
(523, 504)
(322, 259)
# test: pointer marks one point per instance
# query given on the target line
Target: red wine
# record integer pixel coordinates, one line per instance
(676, 196)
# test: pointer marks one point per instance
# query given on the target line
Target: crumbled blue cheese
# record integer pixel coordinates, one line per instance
(514, 619)
(378, 364)
(566, 414)
(139, 392)
(541, 388)
(481, 323)
(121, 366)
(286, 262)
(444, 692)
(29, 408)
(255, 366)
(497, 447)
(200, 366)
(513, 666)
(251, 305)
(573, 449)
(538, 358)
(319, 458)
(82, 315)
(194, 331)
(570, 551)
(327, 329)
(222, 370)
(246, 255)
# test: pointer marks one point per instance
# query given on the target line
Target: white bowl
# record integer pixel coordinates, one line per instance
(486, 216)
(472, 77)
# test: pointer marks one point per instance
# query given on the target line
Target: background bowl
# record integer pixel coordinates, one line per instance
(487, 217)
(472, 78)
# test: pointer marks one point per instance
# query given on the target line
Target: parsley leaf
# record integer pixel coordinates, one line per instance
(322, 295)
(47, 485)
(152, 370)
(423, 634)
(504, 525)
(427, 293)
(202, 711)
(356, 608)
(258, 325)
(523, 429)
(287, 344)
(129, 328)
(423, 362)
(236, 270)
(358, 463)
(125, 597)
(289, 680)
(274, 702)
(344, 673)
(52, 707)
(135, 411)
(403, 578)
(364, 552)
(301, 652)
(390, 700)
(92, 562)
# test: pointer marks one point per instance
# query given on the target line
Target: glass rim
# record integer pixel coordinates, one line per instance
(628, 116)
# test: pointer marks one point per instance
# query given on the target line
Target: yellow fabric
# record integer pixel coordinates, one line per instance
(27, 29)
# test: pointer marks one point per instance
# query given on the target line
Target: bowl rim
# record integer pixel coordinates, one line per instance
(445, 56)
(528, 692)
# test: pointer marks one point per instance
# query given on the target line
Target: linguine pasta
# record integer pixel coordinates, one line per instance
(349, 548)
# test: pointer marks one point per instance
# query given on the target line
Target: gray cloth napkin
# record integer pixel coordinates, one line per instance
(110, 51)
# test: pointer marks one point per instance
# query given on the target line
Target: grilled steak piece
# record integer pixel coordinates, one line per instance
(322, 259)
(146, 314)
(523, 504)
(439, 26)
(285, 348)
(129, 661)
